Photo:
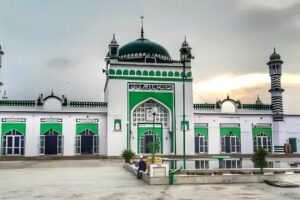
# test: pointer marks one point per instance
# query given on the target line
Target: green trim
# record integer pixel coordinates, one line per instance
(7, 127)
(125, 72)
(112, 71)
(201, 131)
(166, 98)
(141, 78)
(44, 127)
(265, 130)
(225, 131)
(87, 126)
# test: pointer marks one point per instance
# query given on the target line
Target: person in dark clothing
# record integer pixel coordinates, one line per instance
(142, 167)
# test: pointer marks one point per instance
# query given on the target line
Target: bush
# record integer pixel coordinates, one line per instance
(127, 154)
(259, 159)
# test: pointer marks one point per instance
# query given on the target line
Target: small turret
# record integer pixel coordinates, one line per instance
(185, 52)
(113, 48)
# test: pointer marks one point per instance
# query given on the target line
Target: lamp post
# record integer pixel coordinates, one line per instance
(154, 111)
(183, 110)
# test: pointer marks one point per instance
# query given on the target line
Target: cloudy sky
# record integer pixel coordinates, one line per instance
(60, 45)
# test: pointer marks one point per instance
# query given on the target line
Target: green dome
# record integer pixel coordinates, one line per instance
(141, 49)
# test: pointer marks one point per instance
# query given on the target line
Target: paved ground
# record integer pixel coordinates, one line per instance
(106, 179)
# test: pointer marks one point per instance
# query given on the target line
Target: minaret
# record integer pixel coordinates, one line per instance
(1, 54)
(276, 90)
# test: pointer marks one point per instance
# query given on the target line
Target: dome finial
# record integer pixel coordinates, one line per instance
(142, 29)
(274, 50)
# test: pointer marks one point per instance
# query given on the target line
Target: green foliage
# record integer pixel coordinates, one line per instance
(154, 147)
(259, 159)
(127, 154)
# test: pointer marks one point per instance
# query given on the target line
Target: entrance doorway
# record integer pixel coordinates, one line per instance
(13, 143)
(147, 140)
(51, 143)
(87, 142)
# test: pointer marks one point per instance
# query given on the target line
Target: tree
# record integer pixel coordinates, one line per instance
(259, 159)
(154, 147)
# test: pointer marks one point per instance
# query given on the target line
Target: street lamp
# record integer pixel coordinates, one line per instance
(183, 109)
(185, 56)
(154, 112)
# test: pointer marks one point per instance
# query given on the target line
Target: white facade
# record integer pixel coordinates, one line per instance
(141, 76)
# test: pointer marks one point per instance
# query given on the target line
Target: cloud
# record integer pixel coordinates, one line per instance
(239, 86)
(61, 62)
(269, 4)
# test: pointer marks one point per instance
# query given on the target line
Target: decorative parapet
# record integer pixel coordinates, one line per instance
(205, 106)
(17, 103)
(256, 107)
(88, 104)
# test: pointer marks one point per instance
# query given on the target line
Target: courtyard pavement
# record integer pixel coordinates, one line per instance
(106, 179)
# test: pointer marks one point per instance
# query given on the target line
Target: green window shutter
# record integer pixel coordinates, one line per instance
(158, 73)
(80, 127)
(164, 74)
(7, 127)
(45, 127)
(177, 74)
(170, 74)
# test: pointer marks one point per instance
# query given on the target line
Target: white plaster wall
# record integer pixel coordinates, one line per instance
(189, 134)
(117, 109)
(32, 138)
(245, 121)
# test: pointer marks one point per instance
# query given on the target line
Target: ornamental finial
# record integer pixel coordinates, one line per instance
(142, 29)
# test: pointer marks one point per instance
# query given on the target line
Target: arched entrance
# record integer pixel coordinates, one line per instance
(150, 126)
(13, 143)
(87, 142)
(51, 143)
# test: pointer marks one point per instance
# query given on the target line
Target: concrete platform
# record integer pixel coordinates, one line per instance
(107, 179)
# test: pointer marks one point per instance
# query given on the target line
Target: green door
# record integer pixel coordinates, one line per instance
(293, 143)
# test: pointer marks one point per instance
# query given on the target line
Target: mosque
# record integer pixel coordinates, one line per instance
(148, 96)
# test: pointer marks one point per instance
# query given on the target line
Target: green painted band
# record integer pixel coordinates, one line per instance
(149, 78)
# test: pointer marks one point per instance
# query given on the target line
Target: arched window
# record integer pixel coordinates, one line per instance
(230, 143)
(262, 141)
(143, 113)
(201, 145)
